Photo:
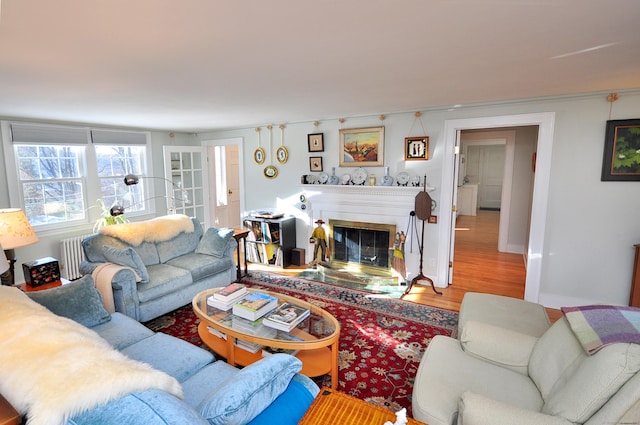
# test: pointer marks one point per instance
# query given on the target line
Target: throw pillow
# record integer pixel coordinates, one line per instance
(127, 257)
(215, 241)
(79, 301)
(248, 392)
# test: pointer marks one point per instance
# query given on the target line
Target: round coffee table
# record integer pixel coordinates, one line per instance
(315, 338)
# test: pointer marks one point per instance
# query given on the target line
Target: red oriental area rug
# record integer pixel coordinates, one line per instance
(382, 339)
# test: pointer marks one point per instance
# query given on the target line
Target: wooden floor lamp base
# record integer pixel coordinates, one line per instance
(416, 280)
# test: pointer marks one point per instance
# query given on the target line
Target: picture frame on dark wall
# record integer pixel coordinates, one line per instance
(416, 148)
(315, 142)
(621, 160)
(315, 163)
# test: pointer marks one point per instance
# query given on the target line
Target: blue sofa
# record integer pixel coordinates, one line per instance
(155, 275)
(266, 392)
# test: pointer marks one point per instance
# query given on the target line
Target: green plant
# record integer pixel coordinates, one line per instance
(106, 219)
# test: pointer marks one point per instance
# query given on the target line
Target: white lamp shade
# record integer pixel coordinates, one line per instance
(15, 230)
(4, 265)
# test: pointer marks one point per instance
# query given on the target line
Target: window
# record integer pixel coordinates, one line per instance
(51, 182)
(115, 162)
(60, 172)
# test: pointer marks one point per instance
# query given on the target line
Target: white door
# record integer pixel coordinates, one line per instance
(492, 172)
(226, 172)
(454, 206)
(185, 167)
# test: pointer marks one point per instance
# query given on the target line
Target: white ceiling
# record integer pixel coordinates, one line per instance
(197, 65)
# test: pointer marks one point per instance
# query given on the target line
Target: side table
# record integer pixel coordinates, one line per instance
(8, 415)
(334, 407)
(241, 234)
(28, 288)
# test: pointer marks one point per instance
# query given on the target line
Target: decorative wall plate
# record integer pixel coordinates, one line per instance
(258, 155)
(359, 176)
(402, 178)
(270, 172)
(282, 154)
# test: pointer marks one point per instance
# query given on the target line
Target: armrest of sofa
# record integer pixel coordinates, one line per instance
(498, 345)
(123, 284)
(475, 409)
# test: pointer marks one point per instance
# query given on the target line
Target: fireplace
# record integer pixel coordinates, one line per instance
(361, 246)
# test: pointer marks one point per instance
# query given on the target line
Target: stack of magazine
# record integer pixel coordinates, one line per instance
(286, 317)
(255, 305)
(226, 297)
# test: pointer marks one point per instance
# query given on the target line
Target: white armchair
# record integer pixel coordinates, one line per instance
(558, 384)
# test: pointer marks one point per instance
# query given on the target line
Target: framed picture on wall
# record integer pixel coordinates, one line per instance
(621, 151)
(416, 148)
(362, 147)
(315, 163)
(315, 142)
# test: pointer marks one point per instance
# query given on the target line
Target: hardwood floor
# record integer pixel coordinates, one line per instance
(478, 266)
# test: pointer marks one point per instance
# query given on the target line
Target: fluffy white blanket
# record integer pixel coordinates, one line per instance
(155, 230)
(52, 368)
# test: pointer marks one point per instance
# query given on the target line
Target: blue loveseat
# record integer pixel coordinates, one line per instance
(155, 266)
(91, 381)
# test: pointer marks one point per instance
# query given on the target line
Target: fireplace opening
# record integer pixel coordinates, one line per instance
(366, 246)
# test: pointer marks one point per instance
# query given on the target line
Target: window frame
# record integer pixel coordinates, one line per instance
(87, 163)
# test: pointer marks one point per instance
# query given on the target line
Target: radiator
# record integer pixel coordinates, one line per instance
(71, 255)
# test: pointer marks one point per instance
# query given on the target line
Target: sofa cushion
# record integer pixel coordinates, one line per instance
(290, 406)
(169, 354)
(78, 300)
(93, 244)
(498, 345)
(215, 241)
(250, 391)
(163, 279)
(122, 331)
(200, 265)
(182, 244)
(127, 257)
(150, 407)
(446, 371)
(573, 384)
(588, 386)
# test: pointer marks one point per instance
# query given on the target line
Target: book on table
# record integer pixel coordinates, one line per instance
(286, 317)
(231, 292)
(255, 305)
(222, 305)
(248, 346)
(253, 327)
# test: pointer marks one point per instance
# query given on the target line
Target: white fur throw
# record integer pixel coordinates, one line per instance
(52, 368)
(155, 230)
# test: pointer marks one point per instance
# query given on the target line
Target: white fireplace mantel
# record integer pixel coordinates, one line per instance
(370, 204)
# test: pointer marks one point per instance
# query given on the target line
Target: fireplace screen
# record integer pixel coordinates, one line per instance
(366, 244)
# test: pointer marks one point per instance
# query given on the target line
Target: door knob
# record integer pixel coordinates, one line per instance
(230, 192)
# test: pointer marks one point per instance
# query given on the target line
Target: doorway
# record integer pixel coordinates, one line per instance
(225, 168)
(536, 229)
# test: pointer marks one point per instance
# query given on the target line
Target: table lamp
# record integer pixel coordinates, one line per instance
(15, 232)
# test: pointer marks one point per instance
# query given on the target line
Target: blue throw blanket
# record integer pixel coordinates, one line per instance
(596, 326)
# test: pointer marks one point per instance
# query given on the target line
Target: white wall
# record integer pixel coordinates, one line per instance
(591, 225)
